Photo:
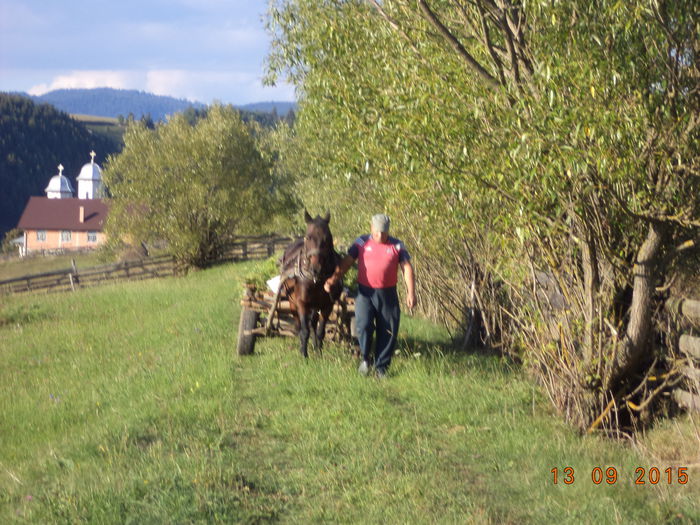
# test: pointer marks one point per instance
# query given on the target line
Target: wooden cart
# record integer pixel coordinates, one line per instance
(264, 315)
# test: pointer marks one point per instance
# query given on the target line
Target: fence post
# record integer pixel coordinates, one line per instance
(74, 279)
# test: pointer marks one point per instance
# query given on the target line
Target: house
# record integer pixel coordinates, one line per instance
(61, 222)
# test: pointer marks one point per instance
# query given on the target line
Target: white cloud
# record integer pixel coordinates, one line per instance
(172, 82)
(240, 87)
(206, 86)
(86, 79)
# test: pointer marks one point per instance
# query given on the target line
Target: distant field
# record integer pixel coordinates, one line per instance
(97, 121)
(31, 265)
(128, 404)
(107, 126)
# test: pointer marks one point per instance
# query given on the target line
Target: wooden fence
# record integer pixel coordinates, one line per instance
(70, 279)
(688, 396)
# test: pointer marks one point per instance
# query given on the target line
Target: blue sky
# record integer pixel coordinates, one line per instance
(202, 50)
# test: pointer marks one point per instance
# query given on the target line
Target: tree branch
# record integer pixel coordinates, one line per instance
(489, 45)
(473, 64)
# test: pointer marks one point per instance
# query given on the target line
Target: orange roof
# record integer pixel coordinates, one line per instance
(42, 213)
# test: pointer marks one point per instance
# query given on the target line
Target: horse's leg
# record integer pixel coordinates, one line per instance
(314, 330)
(303, 331)
(324, 314)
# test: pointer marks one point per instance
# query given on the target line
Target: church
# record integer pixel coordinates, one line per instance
(64, 222)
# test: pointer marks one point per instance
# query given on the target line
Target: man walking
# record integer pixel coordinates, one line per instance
(377, 309)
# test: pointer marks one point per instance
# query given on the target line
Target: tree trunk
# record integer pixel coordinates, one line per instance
(591, 282)
(636, 342)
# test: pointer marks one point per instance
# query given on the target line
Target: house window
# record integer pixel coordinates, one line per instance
(65, 235)
(41, 235)
(92, 236)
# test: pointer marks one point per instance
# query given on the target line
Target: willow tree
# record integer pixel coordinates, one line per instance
(194, 186)
(561, 135)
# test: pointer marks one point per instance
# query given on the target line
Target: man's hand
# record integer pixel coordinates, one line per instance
(410, 300)
(407, 269)
(340, 270)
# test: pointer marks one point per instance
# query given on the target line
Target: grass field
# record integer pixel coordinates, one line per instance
(103, 125)
(18, 267)
(127, 404)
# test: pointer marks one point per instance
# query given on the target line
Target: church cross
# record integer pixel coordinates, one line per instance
(60, 169)
(92, 157)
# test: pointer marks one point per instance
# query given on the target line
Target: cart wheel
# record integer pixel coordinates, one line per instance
(353, 338)
(246, 340)
(353, 327)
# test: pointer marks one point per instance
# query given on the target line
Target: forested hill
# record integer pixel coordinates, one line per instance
(280, 108)
(108, 102)
(34, 140)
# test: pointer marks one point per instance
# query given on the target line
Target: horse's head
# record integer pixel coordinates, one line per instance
(318, 244)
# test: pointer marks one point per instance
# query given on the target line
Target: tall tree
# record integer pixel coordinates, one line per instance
(564, 135)
(194, 186)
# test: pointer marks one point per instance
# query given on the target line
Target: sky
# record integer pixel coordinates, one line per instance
(200, 50)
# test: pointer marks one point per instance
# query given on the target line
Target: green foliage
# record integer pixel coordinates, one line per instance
(262, 272)
(263, 114)
(6, 247)
(34, 139)
(126, 404)
(194, 186)
(538, 136)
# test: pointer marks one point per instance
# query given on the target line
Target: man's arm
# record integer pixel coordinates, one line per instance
(410, 280)
(340, 270)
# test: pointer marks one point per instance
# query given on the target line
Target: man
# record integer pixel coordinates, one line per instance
(377, 307)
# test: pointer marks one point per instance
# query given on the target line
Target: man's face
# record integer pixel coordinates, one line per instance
(379, 237)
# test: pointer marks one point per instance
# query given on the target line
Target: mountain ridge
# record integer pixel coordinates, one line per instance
(111, 102)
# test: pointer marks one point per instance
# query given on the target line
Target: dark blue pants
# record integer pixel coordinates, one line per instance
(377, 309)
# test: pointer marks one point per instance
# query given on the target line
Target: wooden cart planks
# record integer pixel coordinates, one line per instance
(264, 315)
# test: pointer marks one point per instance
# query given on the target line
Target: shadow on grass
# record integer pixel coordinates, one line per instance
(485, 359)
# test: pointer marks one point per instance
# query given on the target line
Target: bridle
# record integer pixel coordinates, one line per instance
(303, 266)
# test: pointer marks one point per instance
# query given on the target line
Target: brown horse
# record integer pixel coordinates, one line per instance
(305, 266)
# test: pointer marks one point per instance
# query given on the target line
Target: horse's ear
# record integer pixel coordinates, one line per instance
(327, 218)
(307, 217)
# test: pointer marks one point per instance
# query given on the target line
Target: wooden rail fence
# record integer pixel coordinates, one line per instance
(70, 279)
(689, 345)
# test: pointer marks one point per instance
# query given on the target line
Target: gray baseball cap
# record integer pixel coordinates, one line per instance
(380, 222)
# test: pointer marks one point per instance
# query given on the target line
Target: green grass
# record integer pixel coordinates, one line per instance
(128, 404)
(20, 267)
(107, 126)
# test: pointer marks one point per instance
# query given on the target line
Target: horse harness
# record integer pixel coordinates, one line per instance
(301, 265)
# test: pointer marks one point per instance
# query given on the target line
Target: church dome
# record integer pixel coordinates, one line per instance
(59, 186)
(91, 170)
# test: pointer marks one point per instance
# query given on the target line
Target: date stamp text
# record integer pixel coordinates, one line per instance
(610, 475)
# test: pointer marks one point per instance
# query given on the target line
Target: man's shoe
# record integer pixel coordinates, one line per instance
(381, 374)
(363, 369)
